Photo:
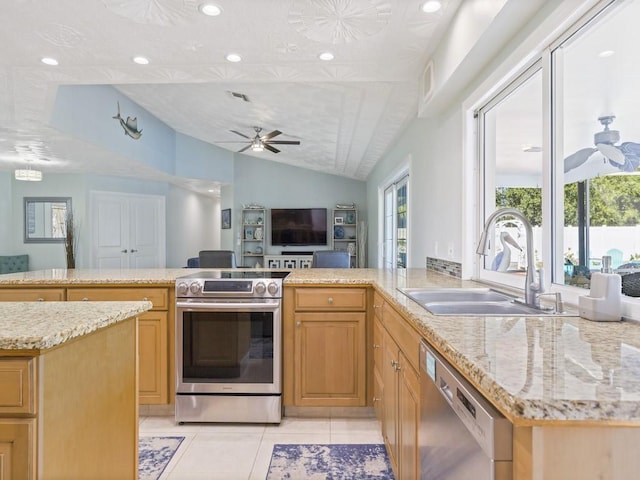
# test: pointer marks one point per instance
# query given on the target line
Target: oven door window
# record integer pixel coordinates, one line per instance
(228, 347)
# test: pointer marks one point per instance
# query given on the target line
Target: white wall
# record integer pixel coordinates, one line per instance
(441, 203)
(193, 224)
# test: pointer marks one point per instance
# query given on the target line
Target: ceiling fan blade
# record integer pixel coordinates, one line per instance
(284, 142)
(576, 159)
(241, 134)
(271, 149)
(244, 148)
(270, 135)
(631, 152)
(612, 153)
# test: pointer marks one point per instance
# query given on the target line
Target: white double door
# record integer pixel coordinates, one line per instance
(127, 231)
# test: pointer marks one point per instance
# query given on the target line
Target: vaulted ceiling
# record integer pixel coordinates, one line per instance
(345, 112)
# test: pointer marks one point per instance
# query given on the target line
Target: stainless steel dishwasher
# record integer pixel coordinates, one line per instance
(462, 436)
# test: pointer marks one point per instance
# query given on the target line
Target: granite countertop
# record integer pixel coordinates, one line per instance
(43, 325)
(534, 369)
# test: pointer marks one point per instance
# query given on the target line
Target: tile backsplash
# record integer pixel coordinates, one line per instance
(444, 266)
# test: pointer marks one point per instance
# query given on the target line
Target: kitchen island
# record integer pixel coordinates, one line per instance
(570, 387)
(68, 396)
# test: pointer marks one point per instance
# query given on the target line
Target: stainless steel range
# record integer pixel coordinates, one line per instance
(229, 347)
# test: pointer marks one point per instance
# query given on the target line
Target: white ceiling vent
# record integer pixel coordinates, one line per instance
(427, 82)
(241, 96)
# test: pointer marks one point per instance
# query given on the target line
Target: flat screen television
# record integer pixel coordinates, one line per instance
(298, 226)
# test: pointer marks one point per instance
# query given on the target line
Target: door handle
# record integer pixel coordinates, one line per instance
(124, 251)
(133, 251)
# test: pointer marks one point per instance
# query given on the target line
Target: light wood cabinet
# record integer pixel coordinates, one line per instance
(17, 448)
(17, 386)
(32, 294)
(154, 336)
(396, 368)
(325, 346)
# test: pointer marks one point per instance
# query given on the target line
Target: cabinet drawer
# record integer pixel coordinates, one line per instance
(157, 296)
(330, 299)
(17, 385)
(405, 336)
(32, 295)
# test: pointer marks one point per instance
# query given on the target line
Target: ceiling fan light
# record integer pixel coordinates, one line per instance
(28, 175)
(431, 6)
(257, 146)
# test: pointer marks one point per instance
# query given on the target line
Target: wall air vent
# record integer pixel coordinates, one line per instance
(241, 96)
(427, 82)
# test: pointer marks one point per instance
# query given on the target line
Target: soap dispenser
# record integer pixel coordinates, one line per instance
(604, 302)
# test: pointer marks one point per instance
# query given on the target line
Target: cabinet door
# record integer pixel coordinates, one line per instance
(390, 400)
(17, 448)
(378, 383)
(152, 358)
(409, 413)
(329, 352)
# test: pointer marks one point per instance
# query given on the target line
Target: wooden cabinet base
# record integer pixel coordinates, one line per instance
(17, 448)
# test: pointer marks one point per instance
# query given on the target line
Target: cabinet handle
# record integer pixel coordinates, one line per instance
(394, 364)
(124, 251)
(376, 399)
(133, 251)
(85, 299)
(146, 299)
(375, 345)
(298, 324)
(40, 299)
(330, 300)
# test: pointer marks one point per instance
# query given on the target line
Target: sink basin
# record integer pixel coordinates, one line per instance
(460, 302)
(423, 295)
(483, 308)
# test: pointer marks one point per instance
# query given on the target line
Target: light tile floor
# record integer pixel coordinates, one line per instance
(243, 452)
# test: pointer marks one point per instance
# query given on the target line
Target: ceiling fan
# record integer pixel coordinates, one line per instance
(625, 157)
(259, 143)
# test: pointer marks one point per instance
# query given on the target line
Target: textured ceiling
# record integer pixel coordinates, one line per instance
(345, 112)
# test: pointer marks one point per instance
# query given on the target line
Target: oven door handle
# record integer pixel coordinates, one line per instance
(242, 306)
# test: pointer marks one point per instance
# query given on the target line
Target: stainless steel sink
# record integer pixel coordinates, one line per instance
(459, 302)
(423, 295)
(483, 308)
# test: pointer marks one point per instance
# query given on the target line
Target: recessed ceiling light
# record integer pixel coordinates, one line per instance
(210, 9)
(233, 57)
(326, 56)
(431, 6)
(141, 60)
(211, 190)
(49, 61)
(606, 53)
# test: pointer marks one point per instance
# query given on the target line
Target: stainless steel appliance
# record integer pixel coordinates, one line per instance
(461, 436)
(228, 347)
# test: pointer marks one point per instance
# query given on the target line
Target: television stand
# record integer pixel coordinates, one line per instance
(297, 253)
(288, 260)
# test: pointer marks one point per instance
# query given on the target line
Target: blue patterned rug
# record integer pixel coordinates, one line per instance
(154, 454)
(330, 462)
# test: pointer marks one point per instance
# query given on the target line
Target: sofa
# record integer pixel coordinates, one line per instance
(14, 263)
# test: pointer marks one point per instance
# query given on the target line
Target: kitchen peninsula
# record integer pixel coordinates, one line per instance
(68, 389)
(570, 387)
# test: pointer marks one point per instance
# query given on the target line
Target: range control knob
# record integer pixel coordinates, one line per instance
(195, 288)
(182, 288)
(260, 288)
(273, 288)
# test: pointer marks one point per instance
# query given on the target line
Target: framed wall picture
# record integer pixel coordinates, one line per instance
(338, 220)
(226, 218)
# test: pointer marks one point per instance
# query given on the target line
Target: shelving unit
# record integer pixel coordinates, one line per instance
(253, 235)
(345, 232)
